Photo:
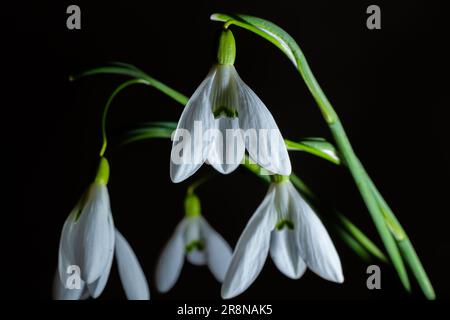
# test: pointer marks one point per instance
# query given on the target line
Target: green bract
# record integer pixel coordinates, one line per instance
(226, 54)
(102, 176)
(192, 207)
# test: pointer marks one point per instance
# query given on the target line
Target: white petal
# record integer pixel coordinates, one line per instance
(86, 242)
(251, 250)
(228, 148)
(284, 250)
(93, 245)
(96, 288)
(66, 256)
(218, 251)
(60, 292)
(131, 274)
(195, 149)
(315, 244)
(196, 257)
(264, 142)
(171, 260)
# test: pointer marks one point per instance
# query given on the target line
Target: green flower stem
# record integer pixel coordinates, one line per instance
(406, 246)
(370, 200)
(197, 183)
(287, 44)
(108, 105)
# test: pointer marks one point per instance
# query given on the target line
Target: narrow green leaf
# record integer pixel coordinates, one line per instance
(405, 245)
(417, 268)
(353, 244)
(362, 238)
(358, 173)
(149, 131)
(138, 74)
(316, 146)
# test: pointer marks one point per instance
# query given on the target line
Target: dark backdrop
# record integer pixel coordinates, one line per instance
(385, 84)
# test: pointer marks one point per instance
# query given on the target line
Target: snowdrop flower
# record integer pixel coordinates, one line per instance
(222, 119)
(285, 225)
(88, 242)
(198, 241)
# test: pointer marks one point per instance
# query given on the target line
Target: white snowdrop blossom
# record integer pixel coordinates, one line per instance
(89, 241)
(196, 240)
(285, 225)
(222, 119)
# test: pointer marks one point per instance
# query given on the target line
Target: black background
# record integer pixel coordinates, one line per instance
(386, 85)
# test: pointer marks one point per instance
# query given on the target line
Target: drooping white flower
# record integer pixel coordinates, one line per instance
(196, 240)
(222, 119)
(88, 242)
(285, 225)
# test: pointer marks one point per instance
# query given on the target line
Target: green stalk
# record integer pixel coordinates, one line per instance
(405, 245)
(287, 44)
(371, 202)
(108, 105)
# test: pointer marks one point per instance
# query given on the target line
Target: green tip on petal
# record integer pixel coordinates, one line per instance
(102, 176)
(227, 48)
(192, 206)
(195, 245)
(284, 223)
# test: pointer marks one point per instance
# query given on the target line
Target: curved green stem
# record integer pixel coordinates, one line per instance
(133, 72)
(197, 183)
(108, 105)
